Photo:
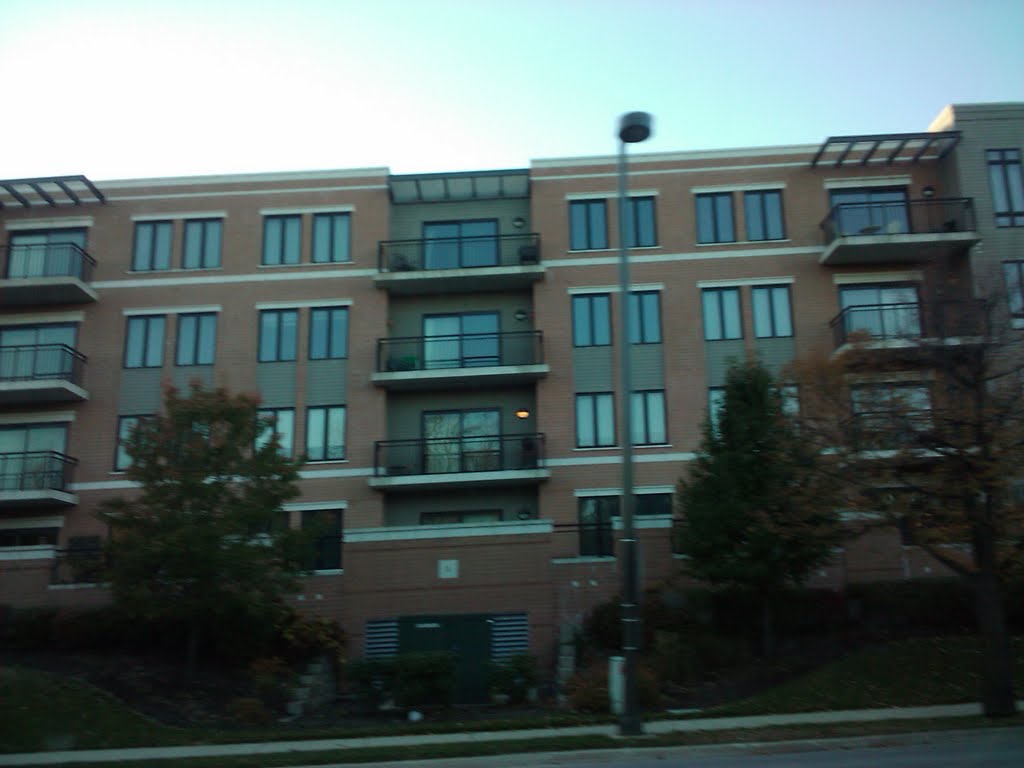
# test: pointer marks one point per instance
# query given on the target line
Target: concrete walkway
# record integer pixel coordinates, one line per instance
(318, 745)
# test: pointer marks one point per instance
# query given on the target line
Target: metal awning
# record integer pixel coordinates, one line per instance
(455, 187)
(49, 190)
(885, 149)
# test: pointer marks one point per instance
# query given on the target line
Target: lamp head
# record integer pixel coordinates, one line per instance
(635, 127)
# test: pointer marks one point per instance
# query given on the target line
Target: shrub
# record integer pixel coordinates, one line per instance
(307, 637)
(424, 679)
(588, 688)
(249, 711)
(514, 677)
(372, 680)
(271, 680)
(30, 629)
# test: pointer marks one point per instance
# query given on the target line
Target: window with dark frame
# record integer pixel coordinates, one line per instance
(1013, 272)
(722, 319)
(648, 417)
(642, 231)
(591, 320)
(773, 317)
(278, 331)
(326, 525)
(588, 225)
(151, 250)
(331, 232)
(1004, 174)
(126, 425)
(595, 525)
(762, 210)
(197, 339)
(595, 420)
(280, 421)
(144, 341)
(714, 218)
(282, 240)
(325, 433)
(328, 333)
(645, 317)
(202, 244)
(651, 504)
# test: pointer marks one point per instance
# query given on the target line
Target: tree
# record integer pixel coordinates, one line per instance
(756, 512)
(928, 435)
(205, 541)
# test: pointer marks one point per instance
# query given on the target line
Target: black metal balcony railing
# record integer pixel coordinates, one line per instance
(908, 217)
(46, 260)
(458, 253)
(469, 350)
(41, 361)
(35, 471)
(887, 430)
(434, 456)
(942, 319)
(79, 565)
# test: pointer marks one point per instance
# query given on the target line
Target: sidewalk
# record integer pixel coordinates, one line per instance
(652, 728)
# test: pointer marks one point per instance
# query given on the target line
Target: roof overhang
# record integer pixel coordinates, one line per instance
(457, 187)
(885, 149)
(52, 191)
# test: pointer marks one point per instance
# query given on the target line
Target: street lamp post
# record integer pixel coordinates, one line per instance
(634, 127)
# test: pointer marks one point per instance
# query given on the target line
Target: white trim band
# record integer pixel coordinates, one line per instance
(33, 417)
(746, 281)
(848, 278)
(62, 223)
(633, 288)
(300, 209)
(304, 303)
(38, 319)
(172, 310)
(753, 187)
(848, 182)
(175, 215)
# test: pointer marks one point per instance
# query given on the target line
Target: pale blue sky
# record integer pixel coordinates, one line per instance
(117, 89)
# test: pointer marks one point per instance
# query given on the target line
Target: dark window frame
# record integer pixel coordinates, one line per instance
(121, 440)
(333, 245)
(145, 321)
(1000, 161)
(278, 314)
(640, 333)
(140, 235)
(773, 330)
(718, 235)
(330, 341)
(592, 398)
(334, 534)
(719, 292)
(274, 414)
(646, 421)
(325, 436)
(587, 300)
(286, 223)
(195, 357)
(646, 204)
(597, 538)
(1014, 286)
(205, 225)
(758, 198)
(590, 240)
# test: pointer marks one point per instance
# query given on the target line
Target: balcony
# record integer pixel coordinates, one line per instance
(35, 479)
(45, 274)
(459, 462)
(44, 373)
(908, 231)
(463, 264)
(460, 361)
(883, 432)
(908, 326)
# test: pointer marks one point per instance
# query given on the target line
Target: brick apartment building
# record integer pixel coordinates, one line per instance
(440, 347)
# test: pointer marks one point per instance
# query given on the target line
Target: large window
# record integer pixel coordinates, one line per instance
(1007, 186)
(279, 421)
(282, 240)
(461, 341)
(144, 342)
(595, 420)
(202, 244)
(455, 244)
(48, 252)
(277, 334)
(197, 339)
(126, 425)
(645, 317)
(588, 225)
(32, 456)
(462, 441)
(596, 537)
(649, 504)
(1013, 271)
(331, 238)
(37, 351)
(772, 315)
(890, 414)
(591, 320)
(880, 311)
(152, 249)
(870, 211)
(325, 433)
(714, 218)
(641, 228)
(328, 333)
(721, 314)
(648, 417)
(763, 213)
(325, 525)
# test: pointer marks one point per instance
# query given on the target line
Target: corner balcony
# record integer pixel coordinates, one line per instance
(459, 265)
(41, 374)
(46, 274)
(903, 328)
(466, 462)
(460, 361)
(911, 231)
(36, 479)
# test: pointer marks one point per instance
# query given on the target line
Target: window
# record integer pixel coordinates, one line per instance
(870, 211)
(467, 516)
(32, 457)
(641, 231)
(648, 418)
(763, 213)
(645, 317)
(881, 311)
(1013, 271)
(714, 218)
(328, 333)
(721, 314)
(325, 433)
(591, 320)
(772, 316)
(325, 525)
(462, 441)
(330, 238)
(596, 513)
(277, 334)
(1007, 187)
(28, 537)
(649, 504)
(197, 339)
(126, 425)
(789, 395)
(890, 414)
(282, 240)
(455, 244)
(716, 400)
(588, 225)
(202, 244)
(47, 252)
(37, 351)
(152, 250)
(461, 341)
(595, 420)
(279, 421)
(144, 342)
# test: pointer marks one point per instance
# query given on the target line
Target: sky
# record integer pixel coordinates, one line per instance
(120, 89)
